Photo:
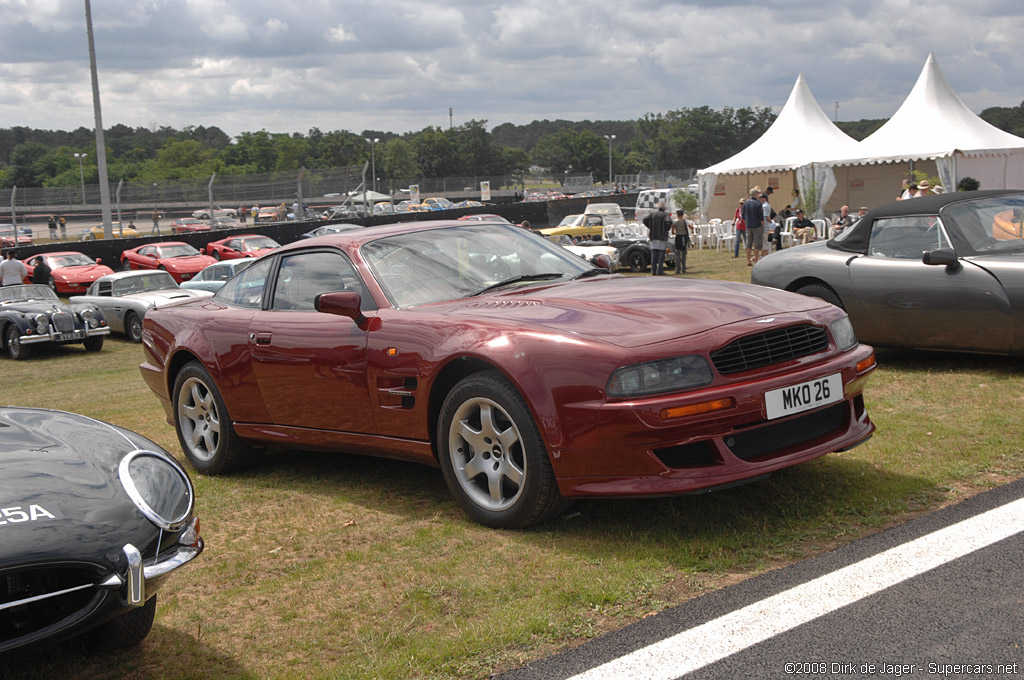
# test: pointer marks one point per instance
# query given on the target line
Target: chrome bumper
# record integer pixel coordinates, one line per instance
(140, 571)
(54, 336)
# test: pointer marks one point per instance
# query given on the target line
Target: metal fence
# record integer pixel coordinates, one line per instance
(312, 185)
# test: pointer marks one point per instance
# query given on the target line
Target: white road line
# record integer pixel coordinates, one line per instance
(726, 635)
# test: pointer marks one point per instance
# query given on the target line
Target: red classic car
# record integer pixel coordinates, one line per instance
(245, 245)
(528, 375)
(188, 225)
(178, 259)
(70, 272)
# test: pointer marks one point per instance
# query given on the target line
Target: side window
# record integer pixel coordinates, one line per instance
(906, 238)
(303, 276)
(103, 288)
(246, 289)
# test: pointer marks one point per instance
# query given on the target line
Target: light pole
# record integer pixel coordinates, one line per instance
(609, 138)
(81, 173)
(373, 160)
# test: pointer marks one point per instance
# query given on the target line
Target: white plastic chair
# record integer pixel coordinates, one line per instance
(726, 235)
(821, 228)
(787, 232)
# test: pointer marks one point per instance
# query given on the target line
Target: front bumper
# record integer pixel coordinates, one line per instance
(77, 335)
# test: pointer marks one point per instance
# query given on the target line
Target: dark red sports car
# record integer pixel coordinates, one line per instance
(178, 259)
(244, 245)
(529, 376)
(71, 272)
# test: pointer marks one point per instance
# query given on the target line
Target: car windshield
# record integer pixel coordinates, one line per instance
(251, 244)
(444, 264)
(143, 283)
(179, 250)
(69, 260)
(23, 293)
(990, 225)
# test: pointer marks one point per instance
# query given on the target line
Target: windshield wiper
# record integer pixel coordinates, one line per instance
(518, 279)
(590, 272)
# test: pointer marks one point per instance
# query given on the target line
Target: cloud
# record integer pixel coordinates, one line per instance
(399, 65)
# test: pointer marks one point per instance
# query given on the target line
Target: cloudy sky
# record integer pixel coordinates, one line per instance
(398, 65)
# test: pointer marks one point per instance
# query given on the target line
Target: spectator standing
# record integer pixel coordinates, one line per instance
(771, 227)
(41, 272)
(741, 228)
(658, 224)
(681, 231)
(753, 215)
(52, 225)
(63, 227)
(12, 271)
(924, 188)
(241, 213)
(156, 221)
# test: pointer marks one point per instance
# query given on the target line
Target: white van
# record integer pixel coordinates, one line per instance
(647, 202)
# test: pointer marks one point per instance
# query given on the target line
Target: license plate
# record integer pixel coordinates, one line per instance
(804, 396)
(77, 335)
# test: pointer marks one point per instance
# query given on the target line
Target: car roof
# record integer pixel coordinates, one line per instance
(358, 237)
(857, 240)
(129, 274)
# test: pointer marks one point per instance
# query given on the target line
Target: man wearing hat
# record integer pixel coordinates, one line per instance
(803, 228)
(924, 188)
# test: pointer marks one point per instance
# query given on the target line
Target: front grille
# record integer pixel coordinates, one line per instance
(63, 322)
(770, 347)
(696, 454)
(766, 440)
(23, 619)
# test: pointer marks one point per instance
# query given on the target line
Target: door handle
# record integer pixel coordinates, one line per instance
(261, 338)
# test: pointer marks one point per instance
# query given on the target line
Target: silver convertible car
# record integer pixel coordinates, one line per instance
(126, 297)
(942, 272)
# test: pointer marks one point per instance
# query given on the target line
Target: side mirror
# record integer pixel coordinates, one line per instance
(99, 260)
(341, 304)
(941, 256)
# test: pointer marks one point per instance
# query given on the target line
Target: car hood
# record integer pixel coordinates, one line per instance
(635, 311)
(36, 307)
(189, 261)
(80, 272)
(159, 298)
(65, 465)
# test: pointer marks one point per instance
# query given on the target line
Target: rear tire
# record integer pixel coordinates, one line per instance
(637, 261)
(133, 327)
(822, 292)
(216, 255)
(204, 426)
(493, 457)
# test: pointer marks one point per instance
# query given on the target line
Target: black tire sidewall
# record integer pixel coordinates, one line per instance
(533, 504)
(822, 292)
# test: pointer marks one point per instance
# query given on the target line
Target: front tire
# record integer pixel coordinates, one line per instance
(492, 455)
(204, 426)
(822, 292)
(15, 349)
(93, 344)
(126, 630)
(133, 327)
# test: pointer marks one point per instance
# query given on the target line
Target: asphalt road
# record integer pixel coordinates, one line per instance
(938, 597)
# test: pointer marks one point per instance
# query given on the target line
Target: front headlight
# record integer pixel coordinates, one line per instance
(42, 323)
(842, 331)
(159, 488)
(664, 375)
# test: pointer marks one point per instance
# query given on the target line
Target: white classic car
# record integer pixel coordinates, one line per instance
(126, 297)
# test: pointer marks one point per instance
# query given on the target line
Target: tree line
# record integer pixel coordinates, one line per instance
(683, 138)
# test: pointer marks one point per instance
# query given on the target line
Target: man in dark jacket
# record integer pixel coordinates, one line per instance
(753, 215)
(658, 224)
(41, 273)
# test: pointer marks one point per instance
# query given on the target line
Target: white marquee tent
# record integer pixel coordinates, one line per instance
(782, 157)
(933, 131)
(936, 131)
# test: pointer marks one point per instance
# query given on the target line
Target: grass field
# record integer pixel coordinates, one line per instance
(334, 566)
